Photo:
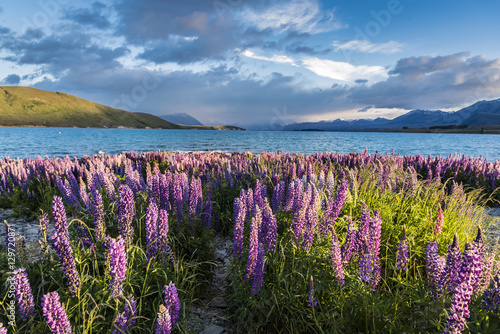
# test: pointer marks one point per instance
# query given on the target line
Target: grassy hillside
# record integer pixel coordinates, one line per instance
(25, 106)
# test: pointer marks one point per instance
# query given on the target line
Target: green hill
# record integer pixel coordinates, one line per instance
(25, 106)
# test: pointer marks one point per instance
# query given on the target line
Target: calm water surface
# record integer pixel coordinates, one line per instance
(31, 142)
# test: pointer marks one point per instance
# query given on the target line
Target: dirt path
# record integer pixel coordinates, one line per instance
(208, 315)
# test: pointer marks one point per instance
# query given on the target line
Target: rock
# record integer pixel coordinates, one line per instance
(214, 329)
(218, 302)
(220, 254)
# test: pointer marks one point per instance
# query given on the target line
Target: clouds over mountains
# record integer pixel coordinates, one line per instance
(233, 61)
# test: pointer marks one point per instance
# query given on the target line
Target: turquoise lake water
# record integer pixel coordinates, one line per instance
(31, 142)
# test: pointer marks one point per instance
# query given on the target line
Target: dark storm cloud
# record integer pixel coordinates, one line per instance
(434, 82)
(93, 16)
(414, 68)
(71, 50)
(197, 30)
(11, 79)
(4, 30)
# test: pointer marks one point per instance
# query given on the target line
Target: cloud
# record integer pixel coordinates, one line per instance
(282, 59)
(368, 47)
(343, 71)
(360, 81)
(434, 82)
(4, 30)
(56, 54)
(12, 79)
(297, 15)
(89, 16)
(414, 68)
(365, 109)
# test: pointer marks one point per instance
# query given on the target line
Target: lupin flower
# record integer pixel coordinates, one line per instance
(349, 243)
(98, 212)
(269, 227)
(311, 299)
(299, 213)
(178, 197)
(449, 277)
(118, 265)
(125, 214)
(253, 247)
(491, 297)
(126, 320)
(363, 230)
(59, 216)
(195, 198)
(172, 302)
(151, 230)
(290, 196)
(336, 259)
(402, 254)
(55, 314)
(60, 242)
(163, 244)
(258, 277)
(24, 295)
(439, 221)
(311, 220)
(335, 206)
(239, 225)
(163, 322)
(459, 311)
(365, 262)
(3, 330)
(434, 267)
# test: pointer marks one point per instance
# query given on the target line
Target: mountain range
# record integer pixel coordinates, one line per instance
(480, 114)
(181, 118)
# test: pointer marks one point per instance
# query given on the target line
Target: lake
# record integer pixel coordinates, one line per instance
(31, 142)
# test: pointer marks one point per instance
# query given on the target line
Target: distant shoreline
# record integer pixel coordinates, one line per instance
(183, 127)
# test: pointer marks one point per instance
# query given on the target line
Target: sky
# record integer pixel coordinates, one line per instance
(257, 63)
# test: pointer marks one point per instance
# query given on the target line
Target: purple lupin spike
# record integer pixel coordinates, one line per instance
(349, 243)
(163, 322)
(449, 277)
(336, 259)
(178, 197)
(151, 230)
(335, 206)
(491, 297)
(125, 214)
(433, 267)
(164, 250)
(126, 320)
(239, 226)
(98, 212)
(118, 265)
(55, 314)
(311, 299)
(258, 277)
(60, 242)
(253, 247)
(172, 302)
(24, 296)
(459, 311)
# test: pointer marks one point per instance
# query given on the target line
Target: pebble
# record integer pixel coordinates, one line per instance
(214, 329)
